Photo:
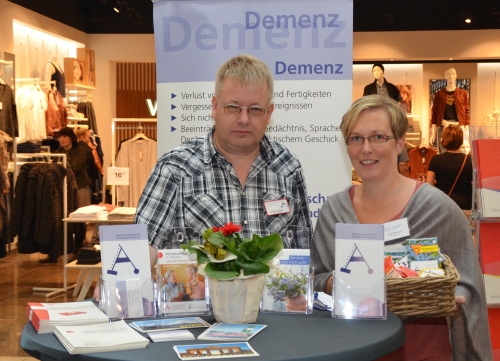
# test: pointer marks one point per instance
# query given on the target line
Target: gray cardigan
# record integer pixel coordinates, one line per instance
(430, 213)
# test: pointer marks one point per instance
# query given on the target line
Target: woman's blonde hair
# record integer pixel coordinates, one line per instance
(80, 133)
(397, 117)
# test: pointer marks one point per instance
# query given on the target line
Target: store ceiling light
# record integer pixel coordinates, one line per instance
(119, 5)
(468, 20)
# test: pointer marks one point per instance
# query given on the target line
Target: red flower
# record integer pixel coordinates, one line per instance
(228, 229)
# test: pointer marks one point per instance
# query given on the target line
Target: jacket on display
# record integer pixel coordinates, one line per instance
(461, 106)
(391, 88)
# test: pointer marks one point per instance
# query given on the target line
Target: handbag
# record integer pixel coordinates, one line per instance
(458, 175)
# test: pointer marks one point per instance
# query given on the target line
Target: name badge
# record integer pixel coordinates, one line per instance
(396, 229)
(278, 206)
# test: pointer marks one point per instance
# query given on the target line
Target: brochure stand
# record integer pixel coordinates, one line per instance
(303, 302)
(126, 299)
(127, 287)
(359, 282)
(181, 289)
(289, 284)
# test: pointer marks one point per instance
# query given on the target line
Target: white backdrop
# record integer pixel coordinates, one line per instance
(306, 44)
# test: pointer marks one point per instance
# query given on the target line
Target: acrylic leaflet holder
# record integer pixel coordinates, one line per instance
(359, 282)
(289, 284)
(127, 298)
(181, 289)
(359, 302)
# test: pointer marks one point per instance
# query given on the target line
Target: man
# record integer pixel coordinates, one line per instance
(235, 174)
(172, 290)
(381, 86)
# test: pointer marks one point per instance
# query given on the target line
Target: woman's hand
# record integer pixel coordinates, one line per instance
(459, 301)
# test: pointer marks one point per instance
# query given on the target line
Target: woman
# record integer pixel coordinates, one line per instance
(77, 159)
(83, 135)
(445, 167)
(374, 129)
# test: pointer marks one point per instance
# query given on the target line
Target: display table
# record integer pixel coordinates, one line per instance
(302, 337)
(88, 273)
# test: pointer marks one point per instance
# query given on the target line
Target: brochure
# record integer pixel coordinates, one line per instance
(181, 289)
(289, 283)
(359, 282)
(165, 324)
(172, 335)
(112, 336)
(127, 285)
(215, 350)
(231, 331)
(45, 316)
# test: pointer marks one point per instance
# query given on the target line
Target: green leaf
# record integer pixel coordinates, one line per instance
(201, 256)
(218, 239)
(252, 268)
(218, 271)
(262, 249)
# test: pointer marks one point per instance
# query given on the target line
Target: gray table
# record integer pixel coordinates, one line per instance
(313, 337)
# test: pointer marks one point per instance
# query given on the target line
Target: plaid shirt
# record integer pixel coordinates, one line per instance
(193, 186)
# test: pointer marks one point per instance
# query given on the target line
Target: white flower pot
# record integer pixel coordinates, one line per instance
(236, 300)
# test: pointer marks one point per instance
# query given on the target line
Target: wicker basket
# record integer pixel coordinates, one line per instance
(423, 297)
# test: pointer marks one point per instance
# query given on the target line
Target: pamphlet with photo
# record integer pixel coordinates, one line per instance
(289, 285)
(181, 288)
(164, 324)
(231, 331)
(215, 350)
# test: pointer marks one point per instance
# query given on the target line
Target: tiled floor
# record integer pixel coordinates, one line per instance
(19, 274)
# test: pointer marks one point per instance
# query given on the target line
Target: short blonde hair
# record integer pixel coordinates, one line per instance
(397, 117)
(80, 132)
(246, 69)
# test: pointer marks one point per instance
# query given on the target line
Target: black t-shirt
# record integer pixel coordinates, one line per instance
(446, 167)
(450, 112)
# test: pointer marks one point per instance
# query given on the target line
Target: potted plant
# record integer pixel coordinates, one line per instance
(236, 269)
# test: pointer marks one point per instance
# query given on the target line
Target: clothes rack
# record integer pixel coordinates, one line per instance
(22, 158)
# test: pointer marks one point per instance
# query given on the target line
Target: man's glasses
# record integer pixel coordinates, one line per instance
(253, 111)
(374, 139)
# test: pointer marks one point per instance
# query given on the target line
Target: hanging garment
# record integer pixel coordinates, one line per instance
(139, 155)
(8, 113)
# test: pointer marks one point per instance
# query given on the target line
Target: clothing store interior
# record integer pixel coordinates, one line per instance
(82, 130)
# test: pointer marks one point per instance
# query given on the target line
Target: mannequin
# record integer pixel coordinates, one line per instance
(381, 86)
(490, 127)
(450, 106)
(53, 72)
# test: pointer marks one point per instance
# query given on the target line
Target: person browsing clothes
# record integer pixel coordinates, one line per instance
(374, 130)
(452, 171)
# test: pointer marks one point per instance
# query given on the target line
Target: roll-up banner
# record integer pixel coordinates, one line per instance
(306, 44)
